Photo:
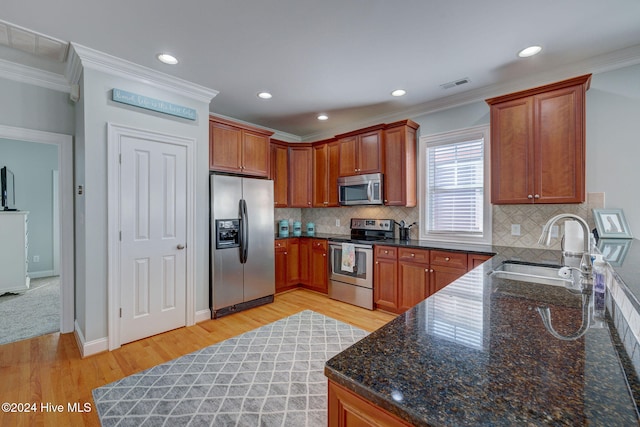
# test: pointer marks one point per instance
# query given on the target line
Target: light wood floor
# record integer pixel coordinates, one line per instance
(49, 369)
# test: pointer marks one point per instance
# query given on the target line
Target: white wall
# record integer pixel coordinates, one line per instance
(33, 165)
(95, 111)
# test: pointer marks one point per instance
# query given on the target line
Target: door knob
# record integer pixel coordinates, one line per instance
(180, 246)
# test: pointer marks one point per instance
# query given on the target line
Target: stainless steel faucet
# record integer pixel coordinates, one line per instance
(545, 239)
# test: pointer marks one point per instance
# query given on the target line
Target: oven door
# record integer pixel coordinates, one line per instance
(362, 274)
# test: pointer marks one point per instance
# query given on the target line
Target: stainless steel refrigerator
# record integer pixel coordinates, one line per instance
(242, 235)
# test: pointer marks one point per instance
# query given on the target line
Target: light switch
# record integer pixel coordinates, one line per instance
(515, 229)
(337, 223)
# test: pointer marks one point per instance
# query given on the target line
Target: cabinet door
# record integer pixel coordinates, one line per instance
(255, 154)
(400, 165)
(369, 152)
(475, 260)
(512, 152)
(560, 147)
(225, 147)
(348, 156)
(385, 284)
(304, 260)
(413, 284)
(279, 175)
(293, 262)
(300, 167)
(442, 276)
(280, 255)
(319, 266)
(320, 175)
(333, 171)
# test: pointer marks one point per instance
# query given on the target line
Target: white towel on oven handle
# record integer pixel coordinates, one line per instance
(348, 257)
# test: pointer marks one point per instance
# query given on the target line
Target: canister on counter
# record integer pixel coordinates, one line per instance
(283, 229)
(311, 228)
(297, 228)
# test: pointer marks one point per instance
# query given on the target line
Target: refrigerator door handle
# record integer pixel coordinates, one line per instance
(244, 232)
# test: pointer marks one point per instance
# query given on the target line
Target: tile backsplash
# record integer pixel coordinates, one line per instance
(531, 219)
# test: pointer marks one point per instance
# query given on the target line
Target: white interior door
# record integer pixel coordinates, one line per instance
(153, 205)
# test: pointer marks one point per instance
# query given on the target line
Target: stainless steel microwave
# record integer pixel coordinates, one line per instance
(360, 189)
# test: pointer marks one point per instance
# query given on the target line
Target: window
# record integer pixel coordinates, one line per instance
(455, 204)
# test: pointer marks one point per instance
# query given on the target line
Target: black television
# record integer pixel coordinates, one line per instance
(8, 189)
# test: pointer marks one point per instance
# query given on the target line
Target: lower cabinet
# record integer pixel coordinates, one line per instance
(301, 261)
(347, 409)
(403, 277)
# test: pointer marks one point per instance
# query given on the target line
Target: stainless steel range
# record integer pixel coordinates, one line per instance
(351, 261)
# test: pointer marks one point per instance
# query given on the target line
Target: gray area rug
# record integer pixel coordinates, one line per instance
(271, 376)
(32, 313)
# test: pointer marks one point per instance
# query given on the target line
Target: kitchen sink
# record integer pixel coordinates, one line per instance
(532, 273)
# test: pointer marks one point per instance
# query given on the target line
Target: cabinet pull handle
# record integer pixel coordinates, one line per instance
(537, 196)
(324, 254)
(413, 254)
(431, 271)
(447, 258)
(386, 252)
(377, 262)
(529, 196)
(426, 270)
(285, 253)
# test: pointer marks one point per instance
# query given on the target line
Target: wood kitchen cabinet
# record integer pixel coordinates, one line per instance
(361, 151)
(279, 173)
(400, 163)
(347, 409)
(445, 267)
(538, 144)
(413, 277)
(300, 168)
(287, 264)
(319, 266)
(237, 148)
(385, 278)
(474, 260)
(326, 157)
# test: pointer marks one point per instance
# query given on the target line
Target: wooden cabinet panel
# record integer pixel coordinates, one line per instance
(400, 164)
(361, 151)
(442, 276)
(320, 175)
(293, 262)
(388, 252)
(287, 268)
(300, 168)
(319, 266)
(413, 255)
(280, 255)
(279, 174)
(413, 284)
(448, 259)
(304, 258)
(538, 144)
(237, 148)
(385, 283)
(475, 260)
(347, 409)
(333, 171)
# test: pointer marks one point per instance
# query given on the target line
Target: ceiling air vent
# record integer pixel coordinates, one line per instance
(455, 83)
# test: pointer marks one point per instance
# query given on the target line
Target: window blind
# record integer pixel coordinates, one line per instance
(455, 187)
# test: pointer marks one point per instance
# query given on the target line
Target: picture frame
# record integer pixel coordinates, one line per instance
(614, 251)
(611, 224)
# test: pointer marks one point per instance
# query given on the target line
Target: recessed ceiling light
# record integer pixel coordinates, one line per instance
(529, 51)
(264, 95)
(399, 92)
(167, 58)
(323, 117)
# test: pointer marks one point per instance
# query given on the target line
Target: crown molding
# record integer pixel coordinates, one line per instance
(283, 136)
(34, 76)
(81, 57)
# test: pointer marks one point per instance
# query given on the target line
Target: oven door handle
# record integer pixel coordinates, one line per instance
(355, 245)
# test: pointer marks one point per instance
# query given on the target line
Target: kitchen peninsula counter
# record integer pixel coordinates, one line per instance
(477, 353)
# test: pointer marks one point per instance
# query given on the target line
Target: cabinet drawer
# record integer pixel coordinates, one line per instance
(414, 255)
(319, 244)
(280, 244)
(387, 252)
(449, 259)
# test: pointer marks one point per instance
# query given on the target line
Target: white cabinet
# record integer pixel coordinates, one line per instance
(13, 252)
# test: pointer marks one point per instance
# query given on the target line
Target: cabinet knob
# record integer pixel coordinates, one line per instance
(529, 196)
(413, 254)
(324, 254)
(537, 196)
(447, 258)
(377, 262)
(285, 253)
(385, 200)
(431, 271)
(386, 252)
(308, 203)
(326, 203)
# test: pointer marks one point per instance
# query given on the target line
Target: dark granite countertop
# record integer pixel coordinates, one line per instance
(477, 353)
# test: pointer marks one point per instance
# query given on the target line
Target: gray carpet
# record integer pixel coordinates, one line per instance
(271, 376)
(33, 313)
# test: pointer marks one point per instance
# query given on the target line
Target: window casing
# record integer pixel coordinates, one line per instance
(454, 186)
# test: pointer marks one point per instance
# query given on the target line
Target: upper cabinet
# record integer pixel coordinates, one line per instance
(300, 167)
(237, 148)
(538, 144)
(361, 151)
(326, 165)
(279, 173)
(400, 164)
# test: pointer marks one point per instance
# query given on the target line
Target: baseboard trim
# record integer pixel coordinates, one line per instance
(40, 274)
(202, 315)
(89, 348)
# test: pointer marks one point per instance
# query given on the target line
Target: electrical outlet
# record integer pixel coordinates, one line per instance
(515, 229)
(337, 223)
(554, 231)
(36, 258)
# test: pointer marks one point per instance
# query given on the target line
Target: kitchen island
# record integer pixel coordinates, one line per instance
(477, 353)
